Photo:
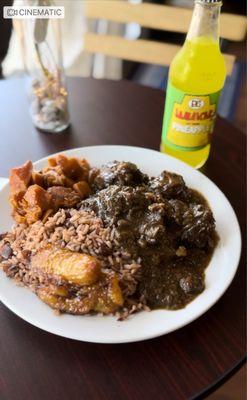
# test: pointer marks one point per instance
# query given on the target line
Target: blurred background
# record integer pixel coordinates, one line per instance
(77, 62)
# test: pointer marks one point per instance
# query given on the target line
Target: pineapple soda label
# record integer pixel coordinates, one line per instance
(188, 119)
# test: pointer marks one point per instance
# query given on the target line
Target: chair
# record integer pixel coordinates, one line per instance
(165, 18)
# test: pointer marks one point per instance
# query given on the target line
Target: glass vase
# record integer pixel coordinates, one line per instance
(42, 56)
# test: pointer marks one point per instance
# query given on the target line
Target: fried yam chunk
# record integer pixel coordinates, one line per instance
(51, 176)
(17, 209)
(35, 201)
(73, 168)
(35, 195)
(20, 178)
(29, 206)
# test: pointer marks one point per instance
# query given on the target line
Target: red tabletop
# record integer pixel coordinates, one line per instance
(186, 364)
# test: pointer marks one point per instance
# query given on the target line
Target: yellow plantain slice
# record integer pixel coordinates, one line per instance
(75, 268)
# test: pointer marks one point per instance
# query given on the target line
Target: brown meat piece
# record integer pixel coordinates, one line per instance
(20, 177)
(168, 185)
(119, 173)
(199, 226)
(116, 202)
(63, 197)
(196, 222)
(192, 283)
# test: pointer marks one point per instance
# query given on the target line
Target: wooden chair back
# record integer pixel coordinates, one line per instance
(166, 18)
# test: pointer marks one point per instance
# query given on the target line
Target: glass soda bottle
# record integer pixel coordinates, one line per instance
(196, 78)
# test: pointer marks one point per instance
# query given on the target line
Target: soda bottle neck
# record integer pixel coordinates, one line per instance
(205, 20)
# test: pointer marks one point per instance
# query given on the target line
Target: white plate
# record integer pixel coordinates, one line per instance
(143, 325)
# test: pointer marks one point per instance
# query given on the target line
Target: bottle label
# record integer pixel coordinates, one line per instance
(188, 119)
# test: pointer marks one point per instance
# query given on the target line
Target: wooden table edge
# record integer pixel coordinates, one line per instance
(221, 380)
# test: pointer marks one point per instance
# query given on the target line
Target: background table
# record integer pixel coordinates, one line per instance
(185, 364)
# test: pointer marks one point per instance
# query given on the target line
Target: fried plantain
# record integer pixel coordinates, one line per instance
(66, 265)
(74, 283)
